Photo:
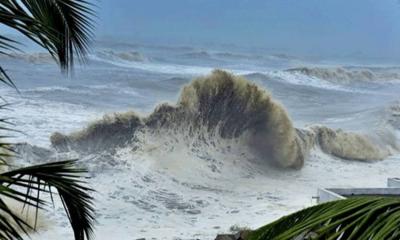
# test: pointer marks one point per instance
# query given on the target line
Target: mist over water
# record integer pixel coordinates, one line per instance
(184, 158)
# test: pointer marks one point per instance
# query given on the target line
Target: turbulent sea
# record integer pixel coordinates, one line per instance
(224, 152)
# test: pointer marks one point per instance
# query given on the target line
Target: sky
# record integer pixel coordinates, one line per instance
(361, 28)
(335, 27)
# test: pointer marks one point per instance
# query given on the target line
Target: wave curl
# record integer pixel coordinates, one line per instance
(228, 107)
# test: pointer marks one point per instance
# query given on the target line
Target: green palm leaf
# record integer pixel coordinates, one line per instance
(6, 149)
(63, 27)
(372, 218)
(4, 78)
(27, 184)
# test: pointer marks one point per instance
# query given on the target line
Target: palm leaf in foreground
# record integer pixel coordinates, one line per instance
(63, 27)
(372, 218)
(26, 185)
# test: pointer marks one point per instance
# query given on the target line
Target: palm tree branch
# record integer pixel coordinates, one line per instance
(354, 218)
(64, 177)
(11, 230)
(4, 78)
(63, 27)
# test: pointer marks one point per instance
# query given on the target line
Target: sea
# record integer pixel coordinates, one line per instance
(191, 182)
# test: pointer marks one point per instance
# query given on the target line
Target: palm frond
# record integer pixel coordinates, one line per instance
(6, 126)
(372, 218)
(7, 45)
(26, 185)
(63, 27)
(10, 223)
(4, 78)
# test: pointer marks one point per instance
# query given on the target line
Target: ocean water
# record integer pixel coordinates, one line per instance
(174, 185)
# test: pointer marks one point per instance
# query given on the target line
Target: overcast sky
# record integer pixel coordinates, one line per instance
(371, 27)
(342, 27)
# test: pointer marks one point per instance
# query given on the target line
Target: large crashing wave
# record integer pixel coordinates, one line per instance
(226, 107)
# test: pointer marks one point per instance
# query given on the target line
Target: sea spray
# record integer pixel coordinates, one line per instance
(222, 107)
(226, 105)
(235, 108)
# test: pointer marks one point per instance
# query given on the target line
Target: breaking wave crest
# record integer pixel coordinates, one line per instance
(107, 55)
(221, 108)
(128, 56)
(226, 55)
(348, 145)
(197, 54)
(35, 58)
(347, 75)
(106, 134)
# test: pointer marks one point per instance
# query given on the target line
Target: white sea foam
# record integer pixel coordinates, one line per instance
(195, 184)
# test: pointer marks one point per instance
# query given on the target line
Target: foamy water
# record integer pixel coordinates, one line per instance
(168, 184)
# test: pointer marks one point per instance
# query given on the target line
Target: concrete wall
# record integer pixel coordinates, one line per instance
(331, 194)
(326, 195)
